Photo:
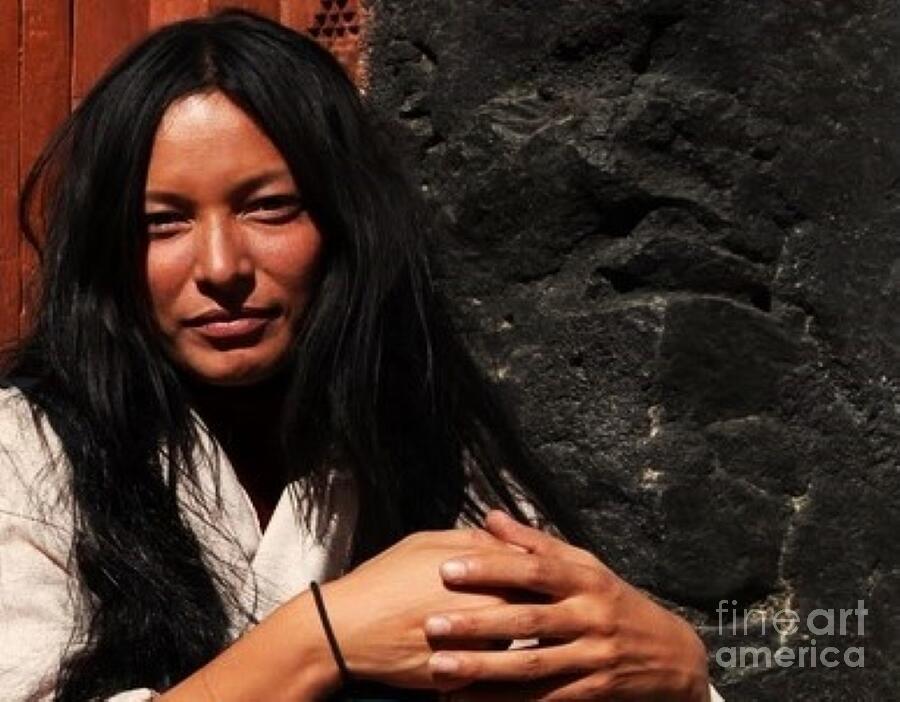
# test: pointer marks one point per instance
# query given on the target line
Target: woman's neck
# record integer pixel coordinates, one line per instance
(251, 410)
(245, 421)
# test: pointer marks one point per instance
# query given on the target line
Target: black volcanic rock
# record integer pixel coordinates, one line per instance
(670, 229)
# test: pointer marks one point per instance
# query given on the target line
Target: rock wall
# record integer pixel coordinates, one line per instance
(673, 238)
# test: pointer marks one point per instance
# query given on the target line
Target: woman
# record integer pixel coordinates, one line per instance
(240, 379)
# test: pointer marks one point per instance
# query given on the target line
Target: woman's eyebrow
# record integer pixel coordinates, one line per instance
(236, 194)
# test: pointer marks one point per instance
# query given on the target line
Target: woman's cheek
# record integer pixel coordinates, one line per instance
(168, 269)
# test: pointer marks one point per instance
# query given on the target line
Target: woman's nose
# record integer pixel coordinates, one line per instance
(221, 258)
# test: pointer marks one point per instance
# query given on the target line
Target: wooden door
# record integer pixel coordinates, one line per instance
(51, 52)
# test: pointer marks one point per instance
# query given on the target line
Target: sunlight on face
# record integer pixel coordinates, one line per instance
(232, 255)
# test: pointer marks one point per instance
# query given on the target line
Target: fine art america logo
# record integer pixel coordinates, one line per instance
(790, 626)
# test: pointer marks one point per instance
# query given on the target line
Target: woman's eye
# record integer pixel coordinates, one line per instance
(163, 222)
(276, 209)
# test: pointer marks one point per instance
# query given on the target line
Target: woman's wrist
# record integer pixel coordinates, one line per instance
(285, 657)
(318, 674)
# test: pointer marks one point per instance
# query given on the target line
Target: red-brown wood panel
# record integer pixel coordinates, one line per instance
(45, 98)
(10, 280)
(100, 35)
(165, 11)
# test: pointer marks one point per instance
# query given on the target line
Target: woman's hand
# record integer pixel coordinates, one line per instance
(377, 610)
(600, 637)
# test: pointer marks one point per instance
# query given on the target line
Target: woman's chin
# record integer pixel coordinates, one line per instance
(229, 377)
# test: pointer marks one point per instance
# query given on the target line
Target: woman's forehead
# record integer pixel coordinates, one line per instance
(204, 138)
(200, 105)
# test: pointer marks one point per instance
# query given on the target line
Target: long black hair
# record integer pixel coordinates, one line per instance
(378, 382)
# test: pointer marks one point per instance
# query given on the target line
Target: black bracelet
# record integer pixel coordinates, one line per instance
(346, 677)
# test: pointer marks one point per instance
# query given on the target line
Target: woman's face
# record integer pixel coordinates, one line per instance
(232, 257)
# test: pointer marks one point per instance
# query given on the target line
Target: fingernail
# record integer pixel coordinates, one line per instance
(454, 570)
(443, 663)
(437, 626)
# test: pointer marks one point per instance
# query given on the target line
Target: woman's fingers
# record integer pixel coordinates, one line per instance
(515, 665)
(546, 621)
(526, 571)
(502, 526)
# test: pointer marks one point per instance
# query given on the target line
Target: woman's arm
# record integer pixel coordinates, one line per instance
(377, 614)
(285, 657)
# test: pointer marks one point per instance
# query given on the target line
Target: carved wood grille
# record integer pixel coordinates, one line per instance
(339, 25)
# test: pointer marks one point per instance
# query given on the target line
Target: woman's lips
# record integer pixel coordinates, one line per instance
(234, 328)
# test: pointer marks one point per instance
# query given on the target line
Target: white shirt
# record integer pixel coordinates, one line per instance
(37, 583)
